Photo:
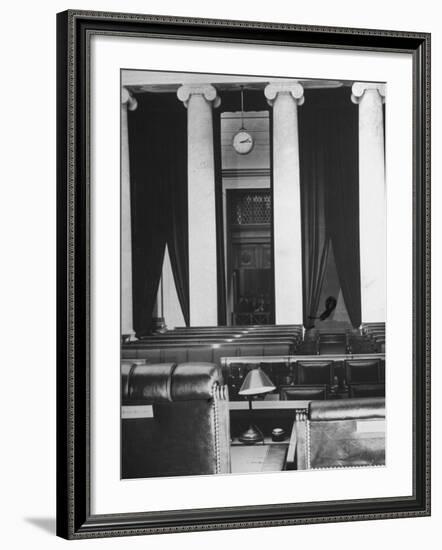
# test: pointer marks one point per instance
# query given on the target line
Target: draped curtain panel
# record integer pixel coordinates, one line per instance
(313, 145)
(158, 170)
(220, 256)
(177, 205)
(328, 133)
(342, 198)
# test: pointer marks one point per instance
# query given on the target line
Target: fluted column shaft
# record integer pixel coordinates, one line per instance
(372, 200)
(287, 238)
(199, 101)
(127, 102)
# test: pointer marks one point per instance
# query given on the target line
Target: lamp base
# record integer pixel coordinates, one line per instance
(251, 436)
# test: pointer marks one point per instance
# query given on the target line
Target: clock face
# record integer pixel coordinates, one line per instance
(242, 142)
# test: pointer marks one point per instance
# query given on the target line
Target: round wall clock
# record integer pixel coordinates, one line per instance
(242, 142)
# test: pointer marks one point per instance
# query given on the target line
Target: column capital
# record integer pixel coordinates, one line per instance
(207, 91)
(294, 88)
(359, 88)
(128, 99)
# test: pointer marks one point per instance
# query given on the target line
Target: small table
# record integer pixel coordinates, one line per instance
(267, 457)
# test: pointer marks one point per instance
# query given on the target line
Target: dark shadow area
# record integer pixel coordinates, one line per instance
(46, 524)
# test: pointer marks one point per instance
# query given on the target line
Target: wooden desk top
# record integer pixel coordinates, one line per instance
(270, 404)
(258, 458)
(267, 441)
(146, 411)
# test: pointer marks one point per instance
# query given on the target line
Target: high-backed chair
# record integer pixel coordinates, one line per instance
(360, 371)
(338, 433)
(302, 393)
(314, 372)
(187, 432)
(367, 390)
(332, 343)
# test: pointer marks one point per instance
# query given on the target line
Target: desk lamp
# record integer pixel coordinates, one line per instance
(256, 382)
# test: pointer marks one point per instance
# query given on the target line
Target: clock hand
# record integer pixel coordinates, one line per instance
(248, 140)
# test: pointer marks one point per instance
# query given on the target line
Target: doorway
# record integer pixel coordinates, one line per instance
(249, 257)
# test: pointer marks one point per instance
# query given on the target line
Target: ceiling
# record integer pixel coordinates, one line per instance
(167, 82)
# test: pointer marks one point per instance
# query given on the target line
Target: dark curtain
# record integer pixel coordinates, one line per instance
(220, 256)
(342, 197)
(328, 138)
(313, 144)
(177, 209)
(158, 171)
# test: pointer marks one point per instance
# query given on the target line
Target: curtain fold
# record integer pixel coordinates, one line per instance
(220, 256)
(328, 154)
(158, 161)
(177, 212)
(342, 199)
(315, 238)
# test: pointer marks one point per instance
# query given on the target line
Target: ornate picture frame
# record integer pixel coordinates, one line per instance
(75, 516)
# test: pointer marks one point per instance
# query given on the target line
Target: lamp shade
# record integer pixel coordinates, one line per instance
(256, 382)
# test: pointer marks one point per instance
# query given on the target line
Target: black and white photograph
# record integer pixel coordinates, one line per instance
(222, 266)
(253, 273)
(243, 272)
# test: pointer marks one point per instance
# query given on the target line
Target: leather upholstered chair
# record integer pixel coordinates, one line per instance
(339, 433)
(367, 390)
(314, 372)
(303, 393)
(364, 371)
(187, 431)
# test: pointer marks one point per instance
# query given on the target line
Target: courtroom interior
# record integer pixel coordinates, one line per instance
(253, 274)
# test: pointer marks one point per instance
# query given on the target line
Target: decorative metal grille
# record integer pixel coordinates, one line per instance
(251, 207)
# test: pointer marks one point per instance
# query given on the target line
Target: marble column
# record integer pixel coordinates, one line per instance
(372, 199)
(285, 99)
(128, 102)
(203, 293)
